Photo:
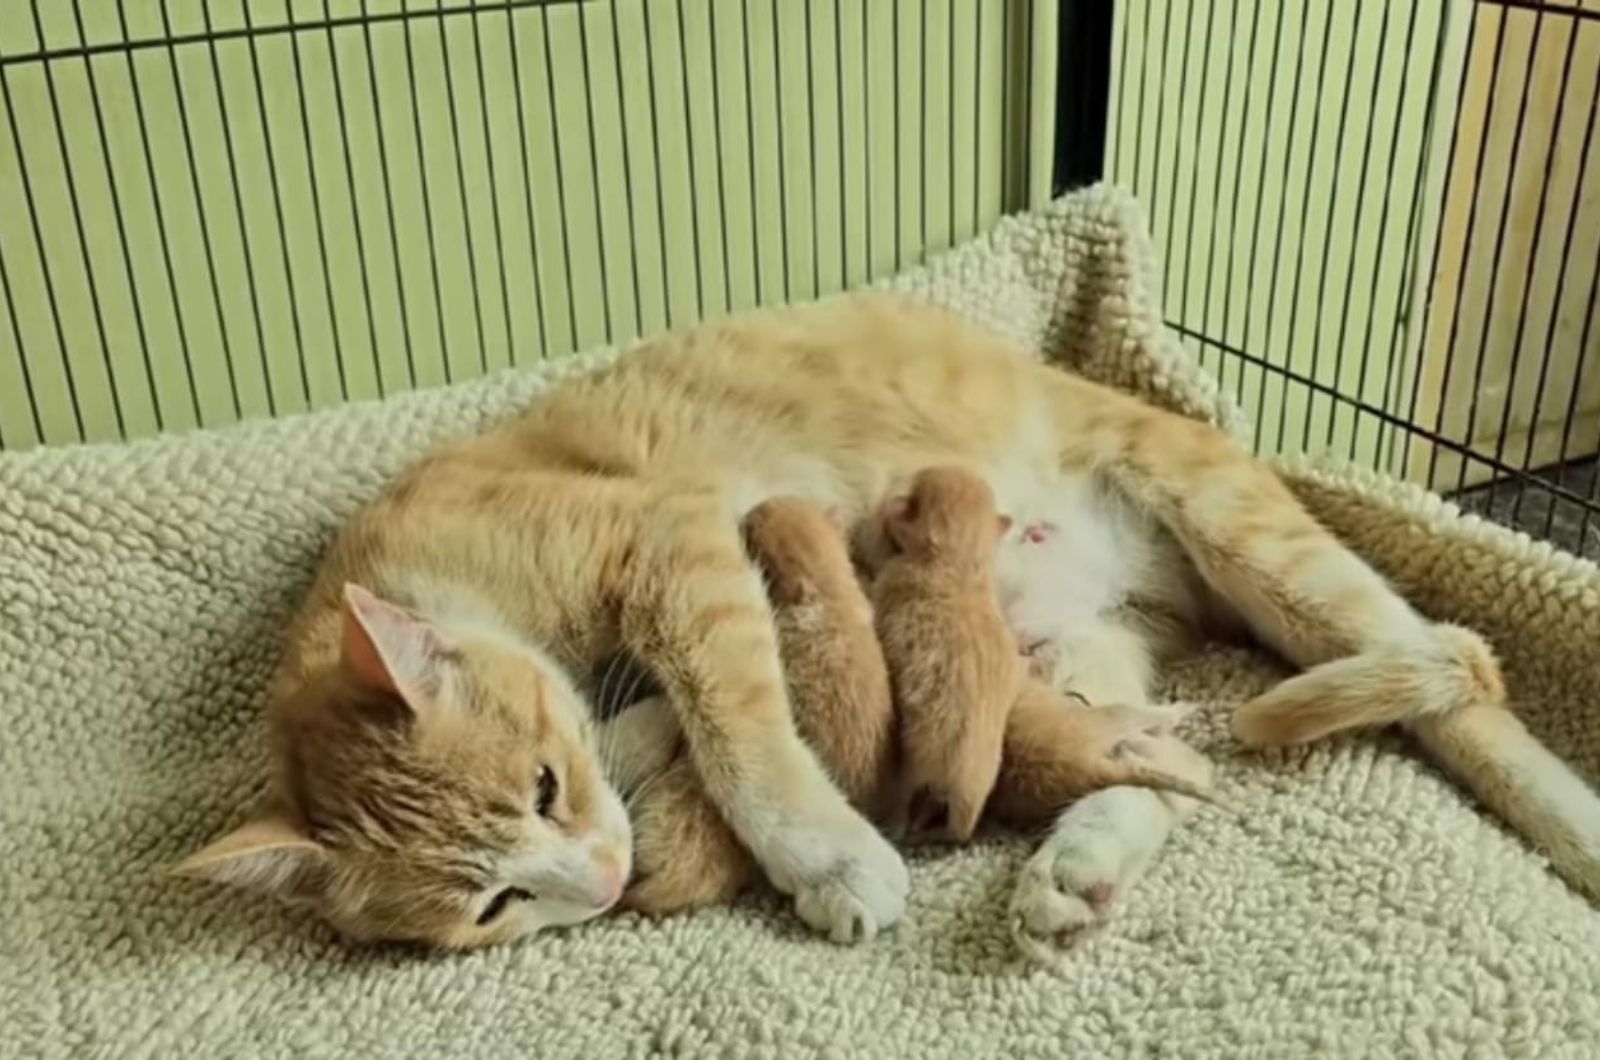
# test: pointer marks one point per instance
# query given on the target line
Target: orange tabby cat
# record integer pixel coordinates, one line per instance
(438, 772)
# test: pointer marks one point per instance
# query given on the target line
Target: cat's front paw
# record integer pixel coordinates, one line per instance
(849, 885)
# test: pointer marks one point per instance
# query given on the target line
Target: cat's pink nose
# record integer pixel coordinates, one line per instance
(611, 876)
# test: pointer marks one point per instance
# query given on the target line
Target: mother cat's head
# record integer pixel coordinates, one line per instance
(435, 786)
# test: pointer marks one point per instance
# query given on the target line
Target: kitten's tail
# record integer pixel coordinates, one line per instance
(1446, 692)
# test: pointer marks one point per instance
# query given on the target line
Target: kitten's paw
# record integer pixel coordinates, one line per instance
(854, 888)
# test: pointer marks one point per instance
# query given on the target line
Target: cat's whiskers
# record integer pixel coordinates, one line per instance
(605, 735)
(601, 702)
(613, 745)
(636, 796)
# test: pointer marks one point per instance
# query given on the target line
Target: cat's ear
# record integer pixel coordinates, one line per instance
(268, 854)
(1005, 525)
(388, 649)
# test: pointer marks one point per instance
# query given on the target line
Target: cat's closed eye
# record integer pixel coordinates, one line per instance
(545, 791)
(500, 901)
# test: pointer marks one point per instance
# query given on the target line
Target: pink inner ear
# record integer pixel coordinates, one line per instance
(361, 658)
(387, 648)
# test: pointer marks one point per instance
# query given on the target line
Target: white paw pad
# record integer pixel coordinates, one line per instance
(1065, 893)
(860, 892)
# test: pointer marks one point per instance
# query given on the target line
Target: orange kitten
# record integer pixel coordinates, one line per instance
(958, 675)
(1057, 748)
(953, 663)
(838, 681)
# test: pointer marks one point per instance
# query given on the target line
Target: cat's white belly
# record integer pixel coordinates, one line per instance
(1071, 555)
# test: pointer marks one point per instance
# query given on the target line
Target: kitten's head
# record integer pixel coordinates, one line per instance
(949, 514)
(438, 788)
(801, 548)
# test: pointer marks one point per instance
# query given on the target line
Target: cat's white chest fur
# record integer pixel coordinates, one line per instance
(1071, 554)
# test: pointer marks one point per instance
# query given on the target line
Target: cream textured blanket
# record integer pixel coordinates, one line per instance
(1356, 905)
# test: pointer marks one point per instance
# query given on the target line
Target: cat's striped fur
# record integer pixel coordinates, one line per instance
(606, 518)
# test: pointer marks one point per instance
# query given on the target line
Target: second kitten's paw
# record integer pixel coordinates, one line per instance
(1043, 657)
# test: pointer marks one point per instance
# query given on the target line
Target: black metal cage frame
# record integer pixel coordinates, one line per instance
(1554, 494)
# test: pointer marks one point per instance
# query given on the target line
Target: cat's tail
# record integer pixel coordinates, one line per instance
(1487, 748)
(1447, 692)
(1446, 669)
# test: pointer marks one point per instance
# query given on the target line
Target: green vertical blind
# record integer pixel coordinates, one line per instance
(213, 210)
(1380, 221)
(1283, 151)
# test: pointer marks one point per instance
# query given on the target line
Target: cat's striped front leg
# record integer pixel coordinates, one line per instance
(696, 613)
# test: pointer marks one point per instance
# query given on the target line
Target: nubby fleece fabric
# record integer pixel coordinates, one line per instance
(1355, 903)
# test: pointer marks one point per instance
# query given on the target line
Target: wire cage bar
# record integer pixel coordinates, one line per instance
(218, 209)
(1381, 227)
(1380, 220)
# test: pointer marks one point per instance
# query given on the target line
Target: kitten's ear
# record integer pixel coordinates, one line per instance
(1005, 525)
(389, 649)
(900, 519)
(267, 855)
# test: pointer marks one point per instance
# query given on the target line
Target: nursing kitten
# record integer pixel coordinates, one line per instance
(958, 675)
(838, 681)
(437, 768)
(1056, 749)
(953, 664)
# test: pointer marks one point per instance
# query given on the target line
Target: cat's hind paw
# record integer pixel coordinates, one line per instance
(1062, 898)
(1069, 888)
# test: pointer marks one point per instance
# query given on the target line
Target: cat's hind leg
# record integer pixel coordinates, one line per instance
(1369, 658)
(1100, 845)
(1098, 849)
